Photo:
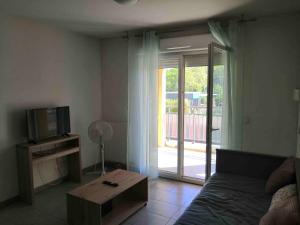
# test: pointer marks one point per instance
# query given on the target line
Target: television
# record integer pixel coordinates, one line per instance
(48, 122)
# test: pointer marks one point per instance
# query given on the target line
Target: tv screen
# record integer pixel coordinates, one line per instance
(48, 122)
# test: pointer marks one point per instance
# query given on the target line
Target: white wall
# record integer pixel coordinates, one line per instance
(272, 72)
(44, 66)
(114, 72)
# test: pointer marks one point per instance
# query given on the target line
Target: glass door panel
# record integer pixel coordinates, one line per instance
(219, 59)
(168, 119)
(217, 74)
(195, 105)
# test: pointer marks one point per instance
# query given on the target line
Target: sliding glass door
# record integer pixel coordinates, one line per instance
(215, 103)
(189, 112)
(168, 118)
(195, 113)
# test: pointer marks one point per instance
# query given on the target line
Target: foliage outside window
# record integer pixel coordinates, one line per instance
(195, 81)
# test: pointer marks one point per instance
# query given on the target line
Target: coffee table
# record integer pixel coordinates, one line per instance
(99, 204)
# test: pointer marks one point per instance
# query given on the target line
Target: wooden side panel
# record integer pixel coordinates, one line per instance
(74, 163)
(92, 212)
(138, 192)
(81, 212)
(124, 210)
(74, 211)
(25, 174)
(142, 190)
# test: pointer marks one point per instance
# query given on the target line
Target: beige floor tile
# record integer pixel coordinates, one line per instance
(162, 208)
(145, 217)
(177, 199)
(178, 213)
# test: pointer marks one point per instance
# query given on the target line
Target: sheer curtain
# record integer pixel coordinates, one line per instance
(232, 37)
(142, 104)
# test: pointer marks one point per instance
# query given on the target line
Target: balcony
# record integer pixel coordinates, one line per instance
(194, 141)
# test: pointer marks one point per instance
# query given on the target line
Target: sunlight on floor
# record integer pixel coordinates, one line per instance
(194, 160)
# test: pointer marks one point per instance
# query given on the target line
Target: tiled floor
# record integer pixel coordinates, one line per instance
(167, 201)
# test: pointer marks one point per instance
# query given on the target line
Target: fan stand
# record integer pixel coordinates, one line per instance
(102, 159)
(99, 132)
(102, 172)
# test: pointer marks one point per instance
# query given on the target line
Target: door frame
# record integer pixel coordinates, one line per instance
(180, 144)
(209, 112)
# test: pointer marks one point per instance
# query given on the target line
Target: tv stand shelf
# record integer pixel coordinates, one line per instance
(31, 154)
(56, 153)
(49, 141)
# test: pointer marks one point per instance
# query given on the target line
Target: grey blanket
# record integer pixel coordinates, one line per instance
(228, 199)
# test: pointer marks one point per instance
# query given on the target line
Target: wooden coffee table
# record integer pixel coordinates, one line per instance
(87, 204)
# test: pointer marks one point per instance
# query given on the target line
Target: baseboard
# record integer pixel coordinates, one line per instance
(109, 164)
(13, 199)
(50, 184)
(9, 201)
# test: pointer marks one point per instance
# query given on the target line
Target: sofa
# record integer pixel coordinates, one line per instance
(235, 194)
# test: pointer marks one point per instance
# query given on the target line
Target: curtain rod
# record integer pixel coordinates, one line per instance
(191, 29)
(176, 31)
(244, 20)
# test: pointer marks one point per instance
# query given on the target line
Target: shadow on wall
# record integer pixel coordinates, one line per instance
(116, 148)
(13, 130)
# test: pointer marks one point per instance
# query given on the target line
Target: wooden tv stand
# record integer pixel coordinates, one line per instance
(29, 154)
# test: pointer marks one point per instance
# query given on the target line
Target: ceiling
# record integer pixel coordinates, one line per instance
(107, 18)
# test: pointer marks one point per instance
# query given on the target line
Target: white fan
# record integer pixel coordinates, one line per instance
(100, 131)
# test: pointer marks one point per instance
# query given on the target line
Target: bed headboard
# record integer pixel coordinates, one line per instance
(247, 164)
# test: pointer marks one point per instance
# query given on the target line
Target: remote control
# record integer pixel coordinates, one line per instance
(109, 183)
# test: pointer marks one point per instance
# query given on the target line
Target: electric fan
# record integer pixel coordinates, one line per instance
(100, 131)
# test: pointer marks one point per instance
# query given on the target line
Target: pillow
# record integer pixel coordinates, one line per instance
(283, 175)
(288, 214)
(282, 195)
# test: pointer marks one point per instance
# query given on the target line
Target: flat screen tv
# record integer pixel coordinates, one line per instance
(48, 122)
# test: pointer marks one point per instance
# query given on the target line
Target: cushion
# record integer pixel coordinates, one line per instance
(282, 195)
(288, 214)
(283, 175)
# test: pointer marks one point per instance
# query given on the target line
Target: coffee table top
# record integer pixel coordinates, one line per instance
(99, 193)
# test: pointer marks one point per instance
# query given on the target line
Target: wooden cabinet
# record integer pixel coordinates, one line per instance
(30, 154)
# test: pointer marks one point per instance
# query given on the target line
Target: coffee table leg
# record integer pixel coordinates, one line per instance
(82, 212)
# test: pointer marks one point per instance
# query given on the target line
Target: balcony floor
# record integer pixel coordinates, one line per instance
(194, 159)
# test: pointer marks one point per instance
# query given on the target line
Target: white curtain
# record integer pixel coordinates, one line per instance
(142, 147)
(232, 37)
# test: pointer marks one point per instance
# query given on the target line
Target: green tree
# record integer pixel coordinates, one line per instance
(218, 94)
(172, 79)
(218, 84)
(195, 79)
